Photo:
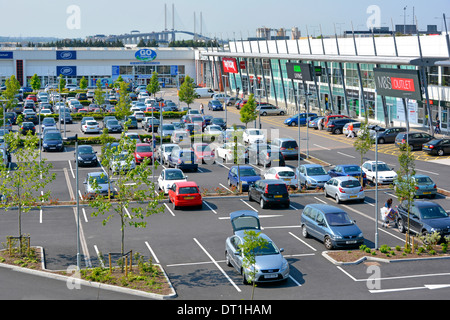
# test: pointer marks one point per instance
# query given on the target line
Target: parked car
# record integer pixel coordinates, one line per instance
(269, 192)
(98, 183)
(331, 225)
(86, 156)
(332, 117)
(130, 121)
(168, 177)
(204, 153)
(425, 217)
(163, 151)
(246, 175)
(254, 136)
(5, 157)
(299, 118)
(204, 92)
(425, 187)
(151, 125)
(143, 151)
(215, 105)
(220, 96)
(220, 122)
(437, 146)
(185, 194)
(415, 139)
(388, 135)
(312, 175)
(284, 174)
(27, 126)
(52, 140)
(48, 122)
(266, 155)
(386, 175)
(336, 126)
(268, 109)
(113, 126)
(344, 189)
(352, 170)
(287, 146)
(270, 265)
(184, 159)
(356, 127)
(91, 126)
(122, 163)
(29, 117)
(166, 130)
(226, 152)
(181, 137)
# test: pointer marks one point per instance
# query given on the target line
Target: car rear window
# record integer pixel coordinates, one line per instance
(289, 144)
(272, 188)
(350, 184)
(286, 174)
(188, 190)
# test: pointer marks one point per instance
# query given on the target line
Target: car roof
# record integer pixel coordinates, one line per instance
(311, 165)
(283, 169)
(186, 184)
(272, 181)
(345, 178)
(242, 167)
(325, 208)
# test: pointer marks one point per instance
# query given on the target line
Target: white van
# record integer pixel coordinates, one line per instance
(204, 92)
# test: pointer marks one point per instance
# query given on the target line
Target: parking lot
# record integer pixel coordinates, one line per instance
(189, 244)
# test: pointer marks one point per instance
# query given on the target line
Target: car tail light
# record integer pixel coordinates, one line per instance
(416, 187)
(434, 187)
(267, 189)
(277, 176)
(283, 149)
(360, 190)
(268, 156)
(431, 146)
(341, 190)
(403, 141)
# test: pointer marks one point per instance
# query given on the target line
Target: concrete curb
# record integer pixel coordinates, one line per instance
(72, 280)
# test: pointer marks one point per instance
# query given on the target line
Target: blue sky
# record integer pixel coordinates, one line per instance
(220, 18)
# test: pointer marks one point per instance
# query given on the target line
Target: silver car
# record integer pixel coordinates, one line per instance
(344, 189)
(97, 183)
(312, 175)
(270, 264)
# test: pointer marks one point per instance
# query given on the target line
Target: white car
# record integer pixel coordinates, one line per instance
(164, 151)
(386, 175)
(284, 174)
(139, 115)
(345, 188)
(254, 136)
(226, 152)
(91, 126)
(143, 95)
(168, 177)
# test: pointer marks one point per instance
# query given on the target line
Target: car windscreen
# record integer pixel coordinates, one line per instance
(268, 249)
(53, 136)
(350, 184)
(143, 149)
(289, 144)
(381, 167)
(338, 219)
(218, 120)
(168, 127)
(316, 171)
(256, 132)
(433, 212)
(101, 179)
(113, 122)
(247, 172)
(203, 148)
(85, 150)
(187, 190)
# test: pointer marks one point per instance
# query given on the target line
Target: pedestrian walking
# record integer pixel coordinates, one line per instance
(437, 129)
(351, 133)
(201, 108)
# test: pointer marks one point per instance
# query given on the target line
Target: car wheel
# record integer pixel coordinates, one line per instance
(305, 232)
(336, 198)
(262, 203)
(228, 259)
(249, 197)
(401, 226)
(282, 113)
(327, 242)
(293, 124)
(440, 152)
(325, 193)
(264, 114)
(381, 140)
(337, 131)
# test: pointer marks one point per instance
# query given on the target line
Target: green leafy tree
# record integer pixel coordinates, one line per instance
(133, 185)
(35, 82)
(248, 111)
(187, 91)
(83, 83)
(405, 185)
(9, 94)
(123, 105)
(118, 81)
(99, 95)
(21, 188)
(153, 87)
(252, 245)
(363, 143)
(62, 82)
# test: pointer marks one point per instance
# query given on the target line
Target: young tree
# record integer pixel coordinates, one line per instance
(99, 95)
(22, 186)
(83, 83)
(133, 184)
(9, 94)
(363, 143)
(62, 82)
(35, 82)
(405, 185)
(123, 105)
(248, 111)
(253, 243)
(187, 91)
(153, 87)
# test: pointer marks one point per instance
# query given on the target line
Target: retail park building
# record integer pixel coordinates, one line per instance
(343, 79)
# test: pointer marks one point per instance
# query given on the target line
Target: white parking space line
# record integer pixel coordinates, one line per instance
(152, 252)
(84, 214)
(71, 169)
(221, 164)
(249, 205)
(169, 209)
(318, 199)
(98, 255)
(206, 203)
(225, 187)
(321, 147)
(217, 265)
(309, 246)
(69, 185)
(436, 174)
(83, 243)
(346, 155)
(296, 282)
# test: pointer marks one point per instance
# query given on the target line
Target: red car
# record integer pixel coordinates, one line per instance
(143, 150)
(185, 194)
(31, 97)
(203, 152)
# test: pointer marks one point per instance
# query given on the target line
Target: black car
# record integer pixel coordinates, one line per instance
(52, 141)
(425, 217)
(87, 156)
(414, 139)
(132, 122)
(31, 117)
(151, 125)
(12, 116)
(27, 126)
(437, 146)
(336, 126)
(269, 192)
(389, 135)
(113, 125)
(66, 117)
(184, 159)
(220, 122)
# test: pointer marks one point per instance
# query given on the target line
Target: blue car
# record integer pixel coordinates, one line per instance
(247, 175)
(351, 170)
(302, 117)
(215, 105)
(52, 141)
(184, 159)
(331, 225)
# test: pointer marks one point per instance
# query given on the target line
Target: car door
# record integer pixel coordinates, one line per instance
(234, 251)
(415, 222)
(301, 174)
(233, 176)
(446, 145)
(320, 228)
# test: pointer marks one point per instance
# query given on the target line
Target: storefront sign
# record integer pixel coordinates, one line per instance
(398, 83)
(229, 65)
(145, 55)
(6, 54)
(66, 70)
(299, 71)
(66, 55)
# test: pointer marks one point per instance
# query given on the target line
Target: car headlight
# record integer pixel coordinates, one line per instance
(80, 158)
(59, 144)
(285, 265)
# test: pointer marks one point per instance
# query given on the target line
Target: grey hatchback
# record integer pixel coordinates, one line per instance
(331, 225)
